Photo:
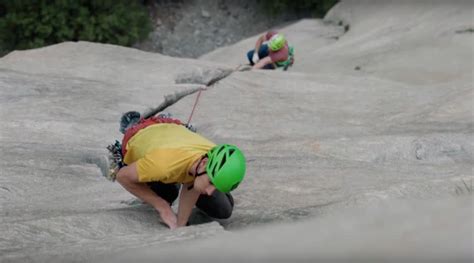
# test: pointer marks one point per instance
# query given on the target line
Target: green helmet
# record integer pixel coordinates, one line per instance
(277, 42)
(225, 167)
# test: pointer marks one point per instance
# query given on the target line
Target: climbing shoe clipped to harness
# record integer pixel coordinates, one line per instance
(114, 161)
(128, 120)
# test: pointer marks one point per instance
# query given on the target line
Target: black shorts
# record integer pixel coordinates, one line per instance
(218, 205)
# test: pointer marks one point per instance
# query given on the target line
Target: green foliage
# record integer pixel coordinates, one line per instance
(314, 8)
(28, 24)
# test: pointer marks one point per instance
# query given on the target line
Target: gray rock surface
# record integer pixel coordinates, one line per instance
(364, 165)
(195, 27)
(390, 234)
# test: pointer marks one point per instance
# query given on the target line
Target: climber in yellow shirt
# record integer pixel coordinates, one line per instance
(160, 154)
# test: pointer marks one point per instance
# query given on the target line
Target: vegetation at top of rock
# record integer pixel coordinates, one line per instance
(28, 24)
(313, 8)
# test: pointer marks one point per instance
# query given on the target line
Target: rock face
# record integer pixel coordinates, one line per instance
(192, 28)
(368, 138)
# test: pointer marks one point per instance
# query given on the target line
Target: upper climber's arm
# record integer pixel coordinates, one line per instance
(259, 42)
(262, 63)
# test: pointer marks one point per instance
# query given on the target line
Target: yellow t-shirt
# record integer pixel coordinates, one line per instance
(165, 152)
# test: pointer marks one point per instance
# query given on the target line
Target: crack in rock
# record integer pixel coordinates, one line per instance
(203, 76)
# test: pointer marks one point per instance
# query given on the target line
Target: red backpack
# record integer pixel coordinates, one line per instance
(142, 124)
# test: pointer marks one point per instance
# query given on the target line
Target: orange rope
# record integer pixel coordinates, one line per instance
(194, 107)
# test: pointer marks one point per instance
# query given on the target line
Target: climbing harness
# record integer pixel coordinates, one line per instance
(289, 62)
(115, 160)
